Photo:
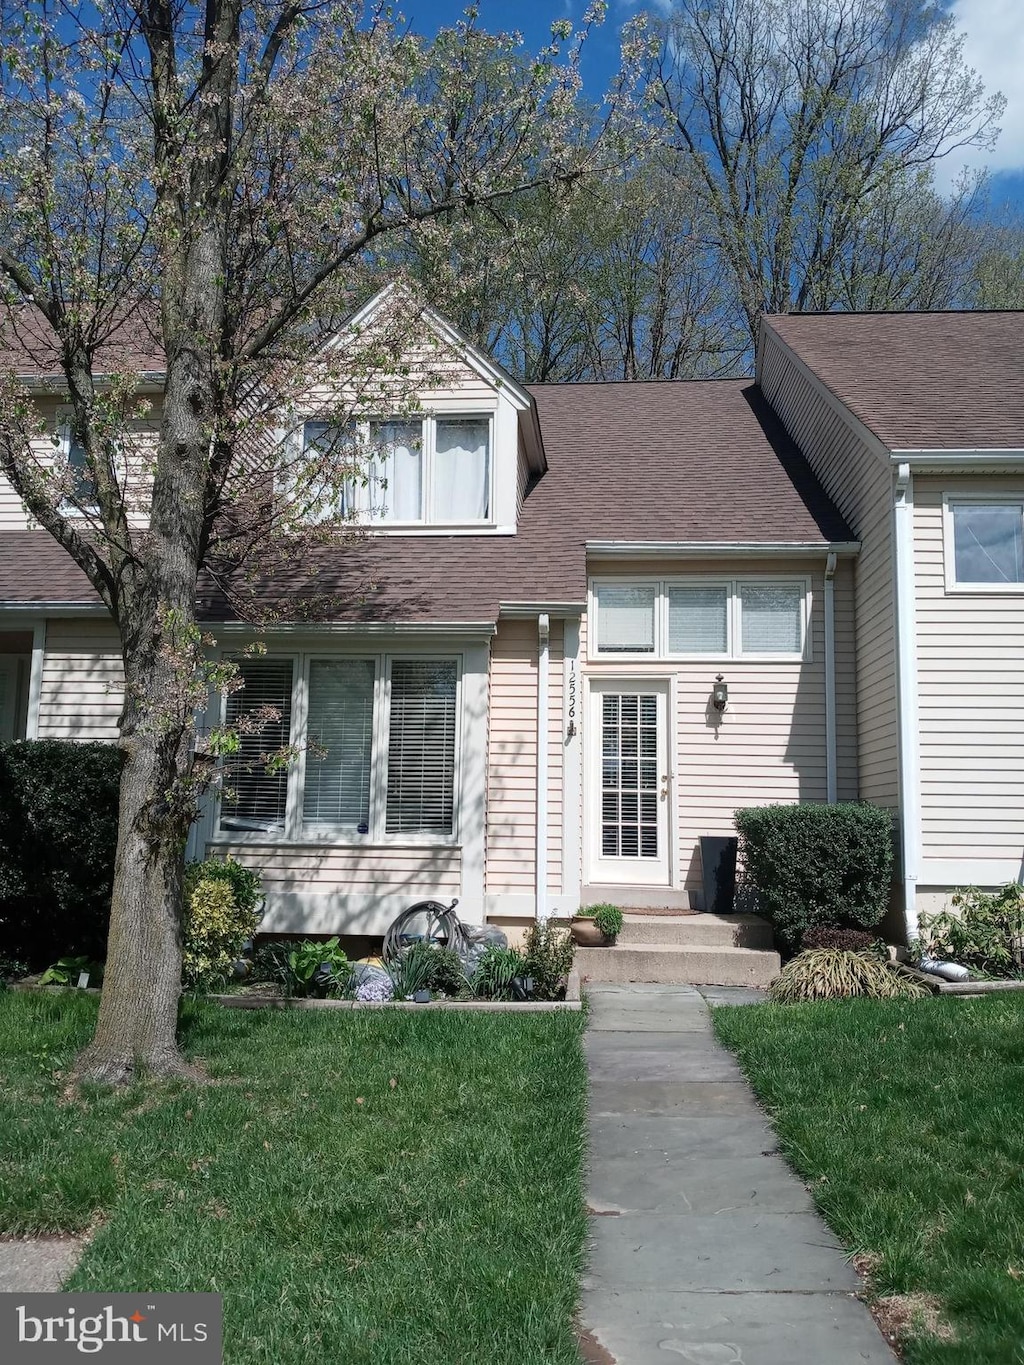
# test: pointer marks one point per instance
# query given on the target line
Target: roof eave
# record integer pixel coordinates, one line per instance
(696, 549)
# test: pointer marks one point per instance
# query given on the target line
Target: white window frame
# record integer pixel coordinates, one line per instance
(952, 499)
(376, 835)
(732, 583)
(428, 438)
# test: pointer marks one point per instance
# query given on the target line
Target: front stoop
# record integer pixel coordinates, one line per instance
(705, 950)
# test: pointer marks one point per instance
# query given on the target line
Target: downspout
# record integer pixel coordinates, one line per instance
(543, 688)
(906, 695)
(35, 680)
(830, 680)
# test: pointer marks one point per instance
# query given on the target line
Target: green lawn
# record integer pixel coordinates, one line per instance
(374, 1186)
(907, 1120)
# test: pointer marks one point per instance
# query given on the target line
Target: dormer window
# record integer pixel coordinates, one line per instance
(83, 498)
(433, 470)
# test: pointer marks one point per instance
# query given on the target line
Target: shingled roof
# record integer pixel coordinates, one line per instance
(919, 381)
(699, 462)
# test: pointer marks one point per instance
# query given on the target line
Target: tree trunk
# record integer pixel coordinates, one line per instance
(137, 1028)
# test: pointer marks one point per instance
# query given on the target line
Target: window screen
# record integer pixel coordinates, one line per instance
(988, 543)
(421, 748)
(262, 710)
(625, 618)
(339, 740)
(698, 619)
(771, 619)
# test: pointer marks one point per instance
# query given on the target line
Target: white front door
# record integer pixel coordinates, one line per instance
(629, 782)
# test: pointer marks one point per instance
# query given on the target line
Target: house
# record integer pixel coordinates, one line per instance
(520, 709)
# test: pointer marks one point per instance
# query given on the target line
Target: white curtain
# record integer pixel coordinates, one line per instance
(461, 469)
(395, 489)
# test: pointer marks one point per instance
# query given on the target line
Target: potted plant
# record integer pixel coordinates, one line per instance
(596, 926)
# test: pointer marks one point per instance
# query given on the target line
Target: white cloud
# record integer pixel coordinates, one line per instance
(994, 47)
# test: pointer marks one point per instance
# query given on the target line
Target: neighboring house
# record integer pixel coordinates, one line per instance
(520, 712)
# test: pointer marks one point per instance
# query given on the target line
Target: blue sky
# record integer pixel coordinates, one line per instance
(994, 46)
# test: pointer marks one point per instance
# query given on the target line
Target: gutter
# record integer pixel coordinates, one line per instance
(906, 694)
(946, 458)
(830, 680)
(695, 549)
(543, 690)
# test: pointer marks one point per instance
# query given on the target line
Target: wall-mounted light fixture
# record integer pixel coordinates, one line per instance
(720, 693)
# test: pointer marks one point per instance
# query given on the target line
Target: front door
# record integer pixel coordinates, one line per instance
(629, 782)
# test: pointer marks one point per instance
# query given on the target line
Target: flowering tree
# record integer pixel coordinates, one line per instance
(205, 183)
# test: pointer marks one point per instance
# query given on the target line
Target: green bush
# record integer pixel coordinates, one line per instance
(816, 865)
(836, 974)
(985, 930)
(608, 919)
(548, 953)
(222, 911)
(58, 837)
(314, 967)
(495, 972)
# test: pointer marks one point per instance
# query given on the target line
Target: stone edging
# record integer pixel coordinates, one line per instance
(572, 1001)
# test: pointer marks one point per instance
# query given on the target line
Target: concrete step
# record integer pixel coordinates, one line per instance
(652, 897)
(672, 963)
(717, 931)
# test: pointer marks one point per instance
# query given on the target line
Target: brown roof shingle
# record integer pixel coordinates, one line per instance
(920, 381)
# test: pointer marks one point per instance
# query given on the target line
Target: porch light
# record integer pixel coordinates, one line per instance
(720, 693)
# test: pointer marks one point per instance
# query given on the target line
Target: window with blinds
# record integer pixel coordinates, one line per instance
(339, 745)
(421, 748)
(771, 619)
(625, 618)
(698, 619)
(261, 711)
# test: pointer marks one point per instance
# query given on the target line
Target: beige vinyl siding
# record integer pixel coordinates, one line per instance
(859, 482)
(970, 658)
(512, 759)
(83, 681)
(379, 871)
(770, 745)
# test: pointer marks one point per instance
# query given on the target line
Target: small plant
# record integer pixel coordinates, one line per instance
(67, 970)
(831, 936)
(495, 972)
(447, 975)
(376, 989)
(222, 912)
(548, 953)
(269, 963)
(608, 919)
(836, 974)
(317, 969)
(986, 932)
(412, 969)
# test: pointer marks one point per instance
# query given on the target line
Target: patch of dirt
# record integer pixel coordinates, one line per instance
(900, 1316)
(591, 1350)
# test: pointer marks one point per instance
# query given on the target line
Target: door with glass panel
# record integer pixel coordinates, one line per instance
(629, 795)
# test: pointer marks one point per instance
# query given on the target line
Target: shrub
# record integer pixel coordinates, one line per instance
(58, 837)
(835, 974)
(314, 968)
(548, 953)
(412, 969)
(11, 968)
(987, 933)
(222, 912)
(608, 919)
(829, 936)
(447, 975)
(818, 865)
(67, 970)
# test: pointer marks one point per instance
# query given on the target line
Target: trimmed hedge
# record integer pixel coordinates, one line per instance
(818, 866)
(58, 837)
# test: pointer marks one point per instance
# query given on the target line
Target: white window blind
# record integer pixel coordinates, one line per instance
(421, 748)
(262, 710)
(771, 619)
(339, 740)
(461, 469)
(698, 619)
(988, 542)
(625, 618)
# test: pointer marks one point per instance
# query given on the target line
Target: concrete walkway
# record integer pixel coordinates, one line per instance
(705, 1246)
(31, 1265)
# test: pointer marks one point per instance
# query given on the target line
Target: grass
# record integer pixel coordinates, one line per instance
(907, 1121)
(375, 1186)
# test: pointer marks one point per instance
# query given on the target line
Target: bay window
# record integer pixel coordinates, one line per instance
(697, 618)
(375, 742)
(434, 469)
